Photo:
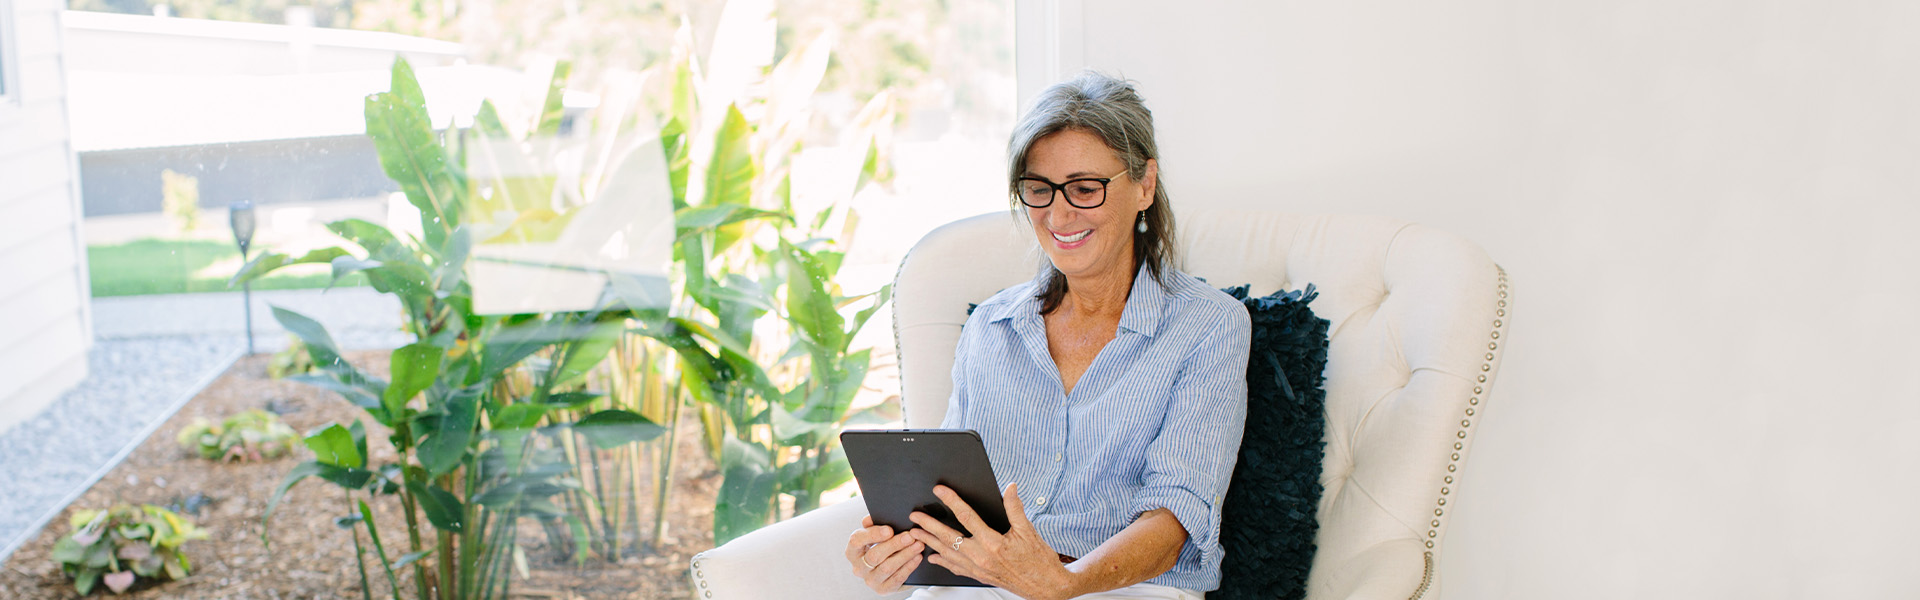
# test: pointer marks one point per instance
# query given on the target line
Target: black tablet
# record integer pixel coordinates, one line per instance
(897, 469)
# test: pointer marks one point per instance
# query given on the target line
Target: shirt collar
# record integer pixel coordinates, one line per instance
(1146, 303)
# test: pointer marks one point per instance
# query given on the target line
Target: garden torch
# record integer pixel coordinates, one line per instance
(240, 214)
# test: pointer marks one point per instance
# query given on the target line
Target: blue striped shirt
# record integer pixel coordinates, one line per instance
(1154, 422)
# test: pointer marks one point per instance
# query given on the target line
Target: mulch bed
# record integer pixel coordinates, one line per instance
(310, 557)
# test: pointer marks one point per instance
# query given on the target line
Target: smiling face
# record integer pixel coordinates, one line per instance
(1087, 243)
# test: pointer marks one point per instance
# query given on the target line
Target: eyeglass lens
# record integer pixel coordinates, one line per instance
(1082, 193)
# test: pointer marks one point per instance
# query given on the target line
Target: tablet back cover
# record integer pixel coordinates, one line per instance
(897, 469)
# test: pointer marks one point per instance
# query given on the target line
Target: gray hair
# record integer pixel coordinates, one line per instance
(1111, 109)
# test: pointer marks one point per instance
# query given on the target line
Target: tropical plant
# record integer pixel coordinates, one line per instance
(250, 435)
(119, 545)
(477, 420)
(494, 418)
(771, 402)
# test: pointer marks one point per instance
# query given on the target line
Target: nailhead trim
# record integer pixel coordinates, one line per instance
(1426, 575)
(894, 317)
(1453, 464)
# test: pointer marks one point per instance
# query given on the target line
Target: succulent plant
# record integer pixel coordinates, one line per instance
(294, 360)
(121, 544)
(252, 435)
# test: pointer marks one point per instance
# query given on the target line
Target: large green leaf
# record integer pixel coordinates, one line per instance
(333, 445)
(414, 367)
(267, 262)
(447, 441)
(586, 352)
(791, 428)
(696, 220)
(367, 235)
(513, 417)
(443, 509)
(730, 175)
(487, 121)
(810, 306)
(673, 143)
(348, 265)
(614, 428)
(411, 154)
(815, 475)
(346, 478)
(320, 346)
(881, 297)
(359, 396)
(453, 261)
(745, 502)
(553, 110)
(514, 343)
(838, 387)
(570, 400)
(409, 281)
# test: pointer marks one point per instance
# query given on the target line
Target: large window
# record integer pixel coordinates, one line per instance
(603, 391)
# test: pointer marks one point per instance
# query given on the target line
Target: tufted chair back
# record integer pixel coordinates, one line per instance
(1418, 317)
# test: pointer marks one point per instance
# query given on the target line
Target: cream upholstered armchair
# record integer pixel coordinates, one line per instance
(1418, 319)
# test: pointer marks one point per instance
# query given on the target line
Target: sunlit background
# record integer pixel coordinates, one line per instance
(875, 122)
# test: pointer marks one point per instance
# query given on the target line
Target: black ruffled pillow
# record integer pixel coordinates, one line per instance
(1269, 520)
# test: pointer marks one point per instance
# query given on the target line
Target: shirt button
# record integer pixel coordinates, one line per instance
(1042, 501)
(1056, 456)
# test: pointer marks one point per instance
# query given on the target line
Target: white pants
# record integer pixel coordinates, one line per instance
(1139, 591)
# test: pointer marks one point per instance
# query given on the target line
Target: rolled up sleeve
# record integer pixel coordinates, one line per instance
(1191, 460)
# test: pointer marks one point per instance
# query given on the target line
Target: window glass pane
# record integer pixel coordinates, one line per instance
(573, 270)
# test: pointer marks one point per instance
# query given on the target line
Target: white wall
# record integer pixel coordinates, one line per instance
(44, 330)
(1708, 210)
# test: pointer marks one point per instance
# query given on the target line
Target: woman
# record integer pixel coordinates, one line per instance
(1110, 390)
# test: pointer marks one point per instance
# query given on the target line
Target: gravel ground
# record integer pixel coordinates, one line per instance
(150, 355)
(132, 386)
(311, 558)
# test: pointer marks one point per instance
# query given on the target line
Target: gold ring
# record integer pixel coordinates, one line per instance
(863, 560)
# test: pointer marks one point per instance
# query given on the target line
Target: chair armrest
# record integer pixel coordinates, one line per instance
(1392, 570)
(802, 557)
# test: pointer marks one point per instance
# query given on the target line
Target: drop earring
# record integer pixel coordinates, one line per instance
(1141, 223)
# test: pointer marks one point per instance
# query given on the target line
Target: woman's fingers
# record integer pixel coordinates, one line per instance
(959, 565)
(900, 576)
(1016, 510)
(937, 535)
(968, 518)
(860, 547)
(890, 573)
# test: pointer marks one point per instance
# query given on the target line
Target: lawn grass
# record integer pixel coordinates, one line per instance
(154, 266)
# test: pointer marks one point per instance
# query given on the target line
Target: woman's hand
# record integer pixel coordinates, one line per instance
(1017, 561)
(882, 558)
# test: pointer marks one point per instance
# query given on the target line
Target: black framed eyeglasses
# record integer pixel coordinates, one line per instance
(1086, 192)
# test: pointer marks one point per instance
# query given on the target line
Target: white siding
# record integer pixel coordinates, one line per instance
(43, 285)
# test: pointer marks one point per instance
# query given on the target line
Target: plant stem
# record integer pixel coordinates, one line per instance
(409, 506)
(444, 548)
(663, 479)
(379, 549)
(610, 549)
(359, 555)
